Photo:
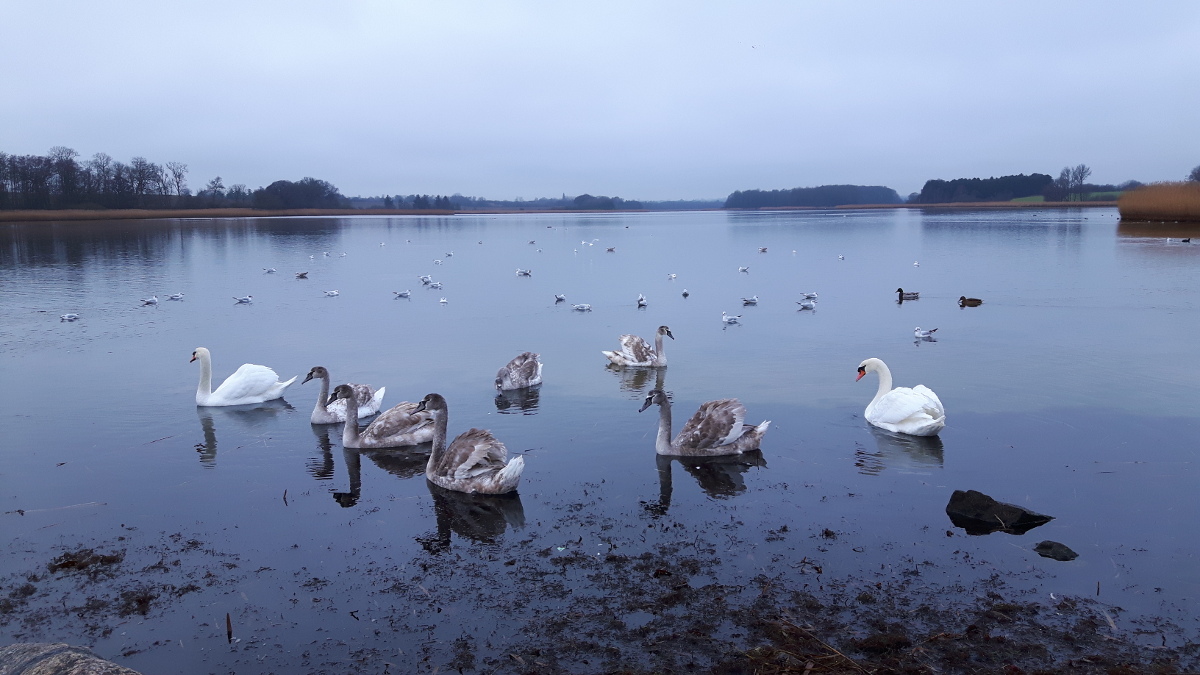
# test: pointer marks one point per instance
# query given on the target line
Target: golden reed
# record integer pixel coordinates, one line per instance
(1165, 202)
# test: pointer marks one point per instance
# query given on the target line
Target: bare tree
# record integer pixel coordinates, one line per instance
(1195, 174)
(1079, 176)
(178, 177)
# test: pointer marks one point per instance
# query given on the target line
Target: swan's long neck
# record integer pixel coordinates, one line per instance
(204, 389)
(441, 419)
(660, 357)
(885, 382)
(662, 443)
(322, 406)
(350, 428)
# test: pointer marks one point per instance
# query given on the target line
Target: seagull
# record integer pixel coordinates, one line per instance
(449, 254)
(69, 317)
(808, 296)
(611, 249)
(437, 262)
(435, 284)
(559, 297)
(245, 300)
(301, 275)
(730, 319)
(582, 308)
(762, 249)
(152, 300)
(524, 273)
(443, 301)
(326, 254)
(671, 277)
(685, 293)
(175, 296)
(752, 300)
(744, 269)
(331, 293)
(916, 263)
(403, 294)
(426, 279)
(807, 304)
(269, 270)
(382, 244)
(312, 257)
(918, 333)
(841, 257)
(531, 241)
(343, 255)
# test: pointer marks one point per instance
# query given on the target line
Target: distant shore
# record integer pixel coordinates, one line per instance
(144, 214)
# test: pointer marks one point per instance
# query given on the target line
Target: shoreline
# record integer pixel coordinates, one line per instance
(64, 215)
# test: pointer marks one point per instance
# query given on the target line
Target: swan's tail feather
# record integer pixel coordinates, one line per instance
(509, 477)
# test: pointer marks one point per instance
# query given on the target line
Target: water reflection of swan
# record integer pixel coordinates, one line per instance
(321, 468)
(519, 401)
(476, 517)
(403, 464)
(253, 417)
(899, 451)
(720, 477)
(635, 380)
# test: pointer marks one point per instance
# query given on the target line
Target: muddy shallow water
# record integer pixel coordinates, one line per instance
(136, 522)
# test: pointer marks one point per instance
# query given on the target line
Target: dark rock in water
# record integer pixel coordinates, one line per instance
(1055, 550)
(978, 513)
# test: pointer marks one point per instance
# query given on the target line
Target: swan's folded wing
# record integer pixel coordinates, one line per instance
(473, 453)
(247, 381)
(399, 419)
(636, 350)
(716, 423)
(526, 369)
(902, 404)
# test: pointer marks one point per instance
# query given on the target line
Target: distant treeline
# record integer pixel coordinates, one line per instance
(459, 202)
(59, 180)
(1071, 185)
(823, 196)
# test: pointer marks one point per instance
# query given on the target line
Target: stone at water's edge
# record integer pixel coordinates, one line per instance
(1055, 550)
(55, 658)
(978, 513)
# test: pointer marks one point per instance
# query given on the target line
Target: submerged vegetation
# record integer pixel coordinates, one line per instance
(1162, 202)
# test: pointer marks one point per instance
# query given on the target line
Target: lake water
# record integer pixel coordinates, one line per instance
(1071, 391)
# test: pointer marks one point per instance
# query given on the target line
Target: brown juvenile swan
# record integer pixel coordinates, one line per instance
(716, 429)
(402, 424)
(474, 462)
(331, 413)
(637, 352)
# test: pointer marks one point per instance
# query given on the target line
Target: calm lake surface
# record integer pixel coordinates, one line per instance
(1071, 391)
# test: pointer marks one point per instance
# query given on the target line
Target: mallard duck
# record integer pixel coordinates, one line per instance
(907, 296)
(716, 429)
(475, 460)
(248, 384)
(916, 411)
(964, 301)
(331, 411)
(637, 352)
(402, 424)
(523, 371)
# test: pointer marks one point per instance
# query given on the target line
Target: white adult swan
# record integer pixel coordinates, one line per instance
(402, 424)
(637, 352)
(716, 429)
(523, 371)
(325, 412)
(248, 384)
(916, 411)
(475, 461)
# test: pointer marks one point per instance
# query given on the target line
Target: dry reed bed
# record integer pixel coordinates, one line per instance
(1178, 202)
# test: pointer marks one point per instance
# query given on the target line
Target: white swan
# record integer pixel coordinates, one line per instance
(248, 384)
(523, 371)
(637, 352)
(402, 424)
(475, 460)
(716, 429)
(325, 412)
(916, 411)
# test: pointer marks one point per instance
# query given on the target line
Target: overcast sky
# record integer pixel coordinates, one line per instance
(640, 99)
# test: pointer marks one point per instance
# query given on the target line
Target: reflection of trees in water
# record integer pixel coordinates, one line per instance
(519, 401)
(635, 380)
(479, 518)
(400, 462)
(251, 418)
(720, 477)
(898, 451)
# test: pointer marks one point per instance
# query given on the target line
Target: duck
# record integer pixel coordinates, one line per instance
(907, 296)
(716, 429)
(401, 425)
(331, 411)
(916, 411)
(964, 301)
(475, 462)
(248, 384)
(525, 370)
(637, 352)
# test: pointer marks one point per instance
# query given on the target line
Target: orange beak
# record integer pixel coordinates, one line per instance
(194, 358)
(861, 372)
